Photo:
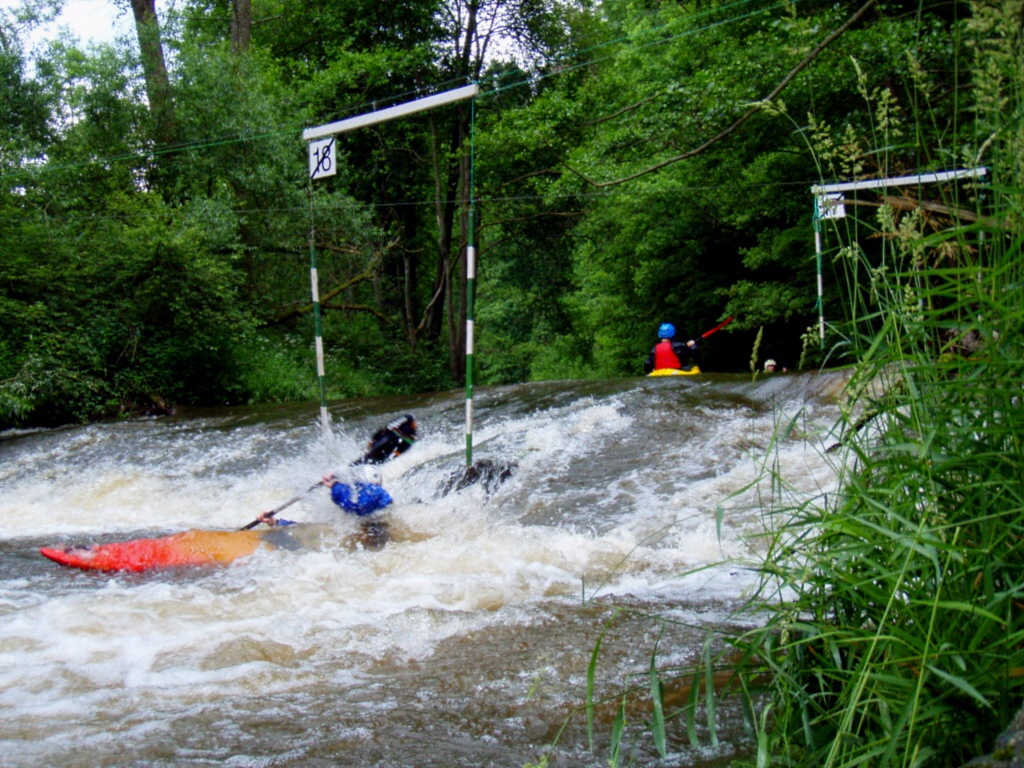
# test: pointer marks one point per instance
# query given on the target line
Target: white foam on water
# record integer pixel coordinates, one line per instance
(592, 510)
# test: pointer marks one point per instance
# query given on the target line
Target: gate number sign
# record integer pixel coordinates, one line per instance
(321, 159)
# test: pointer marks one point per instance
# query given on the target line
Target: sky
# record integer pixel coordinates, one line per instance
(90, 20)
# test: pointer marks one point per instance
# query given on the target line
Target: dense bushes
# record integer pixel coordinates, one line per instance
(623, 177)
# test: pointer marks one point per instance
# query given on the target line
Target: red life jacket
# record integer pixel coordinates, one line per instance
(665, 356)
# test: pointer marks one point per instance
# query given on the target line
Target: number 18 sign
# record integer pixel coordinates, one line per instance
(321, 159)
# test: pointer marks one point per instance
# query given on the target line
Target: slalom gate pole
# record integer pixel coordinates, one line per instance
(315, 290)
(470, 294)
(470, 290)
(816, 222)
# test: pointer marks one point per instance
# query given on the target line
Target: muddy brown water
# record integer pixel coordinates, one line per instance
(463, 641)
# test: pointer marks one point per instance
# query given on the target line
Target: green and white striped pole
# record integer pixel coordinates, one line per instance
(321, 164)
(470, 296)
(821, 286)
(315, 289)
(470, 290)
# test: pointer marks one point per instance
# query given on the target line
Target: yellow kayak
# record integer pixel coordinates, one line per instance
(675, 372)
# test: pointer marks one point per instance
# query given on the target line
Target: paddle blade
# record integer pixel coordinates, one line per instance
(717, 328)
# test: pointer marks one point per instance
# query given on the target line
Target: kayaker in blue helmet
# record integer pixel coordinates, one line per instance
(668, 353)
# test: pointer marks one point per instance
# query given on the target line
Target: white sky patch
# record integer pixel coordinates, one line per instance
(91, 21)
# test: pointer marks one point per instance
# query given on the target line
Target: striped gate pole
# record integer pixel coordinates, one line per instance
(821, 287)
(322, 164)
(320, 375)
(470, 303)
(470, 286)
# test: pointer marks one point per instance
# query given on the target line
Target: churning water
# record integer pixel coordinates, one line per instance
(465, 641)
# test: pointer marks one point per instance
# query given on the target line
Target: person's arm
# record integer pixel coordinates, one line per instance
(380, 433)
(269, 519)
(649, 363)
(405, 441)
(341, 495)
(687, 349)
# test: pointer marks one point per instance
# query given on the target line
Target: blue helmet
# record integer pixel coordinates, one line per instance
(666, 331)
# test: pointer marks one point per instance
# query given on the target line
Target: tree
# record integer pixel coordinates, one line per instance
(24, 108)
(358, 54)
(241, 25)
(710, 208)
(154, 67)
(471, 29)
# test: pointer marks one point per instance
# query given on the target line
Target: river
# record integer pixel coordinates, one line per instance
(464, 641)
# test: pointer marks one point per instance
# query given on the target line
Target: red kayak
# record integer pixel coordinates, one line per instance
(179, 549)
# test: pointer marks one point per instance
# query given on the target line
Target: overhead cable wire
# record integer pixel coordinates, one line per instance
(395, 98)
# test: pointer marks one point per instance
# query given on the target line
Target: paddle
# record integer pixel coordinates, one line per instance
(717, 328)
(274, 511)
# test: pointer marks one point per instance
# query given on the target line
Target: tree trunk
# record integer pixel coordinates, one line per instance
(451, 182)
(158, 84)
(241, 25)
(452, 187)
(445, 211)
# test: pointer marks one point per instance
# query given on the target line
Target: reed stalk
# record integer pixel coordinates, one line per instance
(896, 629)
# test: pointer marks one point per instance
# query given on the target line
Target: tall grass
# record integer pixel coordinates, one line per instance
(896, 630)
(895, 605)
(900, 636)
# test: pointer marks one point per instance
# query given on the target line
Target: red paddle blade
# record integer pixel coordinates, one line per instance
(718, 327)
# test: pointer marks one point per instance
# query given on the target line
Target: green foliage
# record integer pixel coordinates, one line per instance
(683, 229)
(277, 367)
(130, 309)
(51, 386)
(901, 641)
(604, 205)
(23, 105)
(560, 358)
(896, 632)
(759, 303)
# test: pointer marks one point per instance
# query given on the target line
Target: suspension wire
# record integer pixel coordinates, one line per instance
(290, 131)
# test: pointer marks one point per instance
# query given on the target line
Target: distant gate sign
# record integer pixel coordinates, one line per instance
(321, 159)
(831, 206)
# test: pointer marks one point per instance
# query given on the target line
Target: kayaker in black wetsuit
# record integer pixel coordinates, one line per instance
(670, 354)
(359, 497)
(391, 440)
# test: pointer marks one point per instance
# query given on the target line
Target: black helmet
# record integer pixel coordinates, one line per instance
(406, 424)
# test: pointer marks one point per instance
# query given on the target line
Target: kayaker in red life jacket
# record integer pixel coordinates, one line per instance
(670, 354)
